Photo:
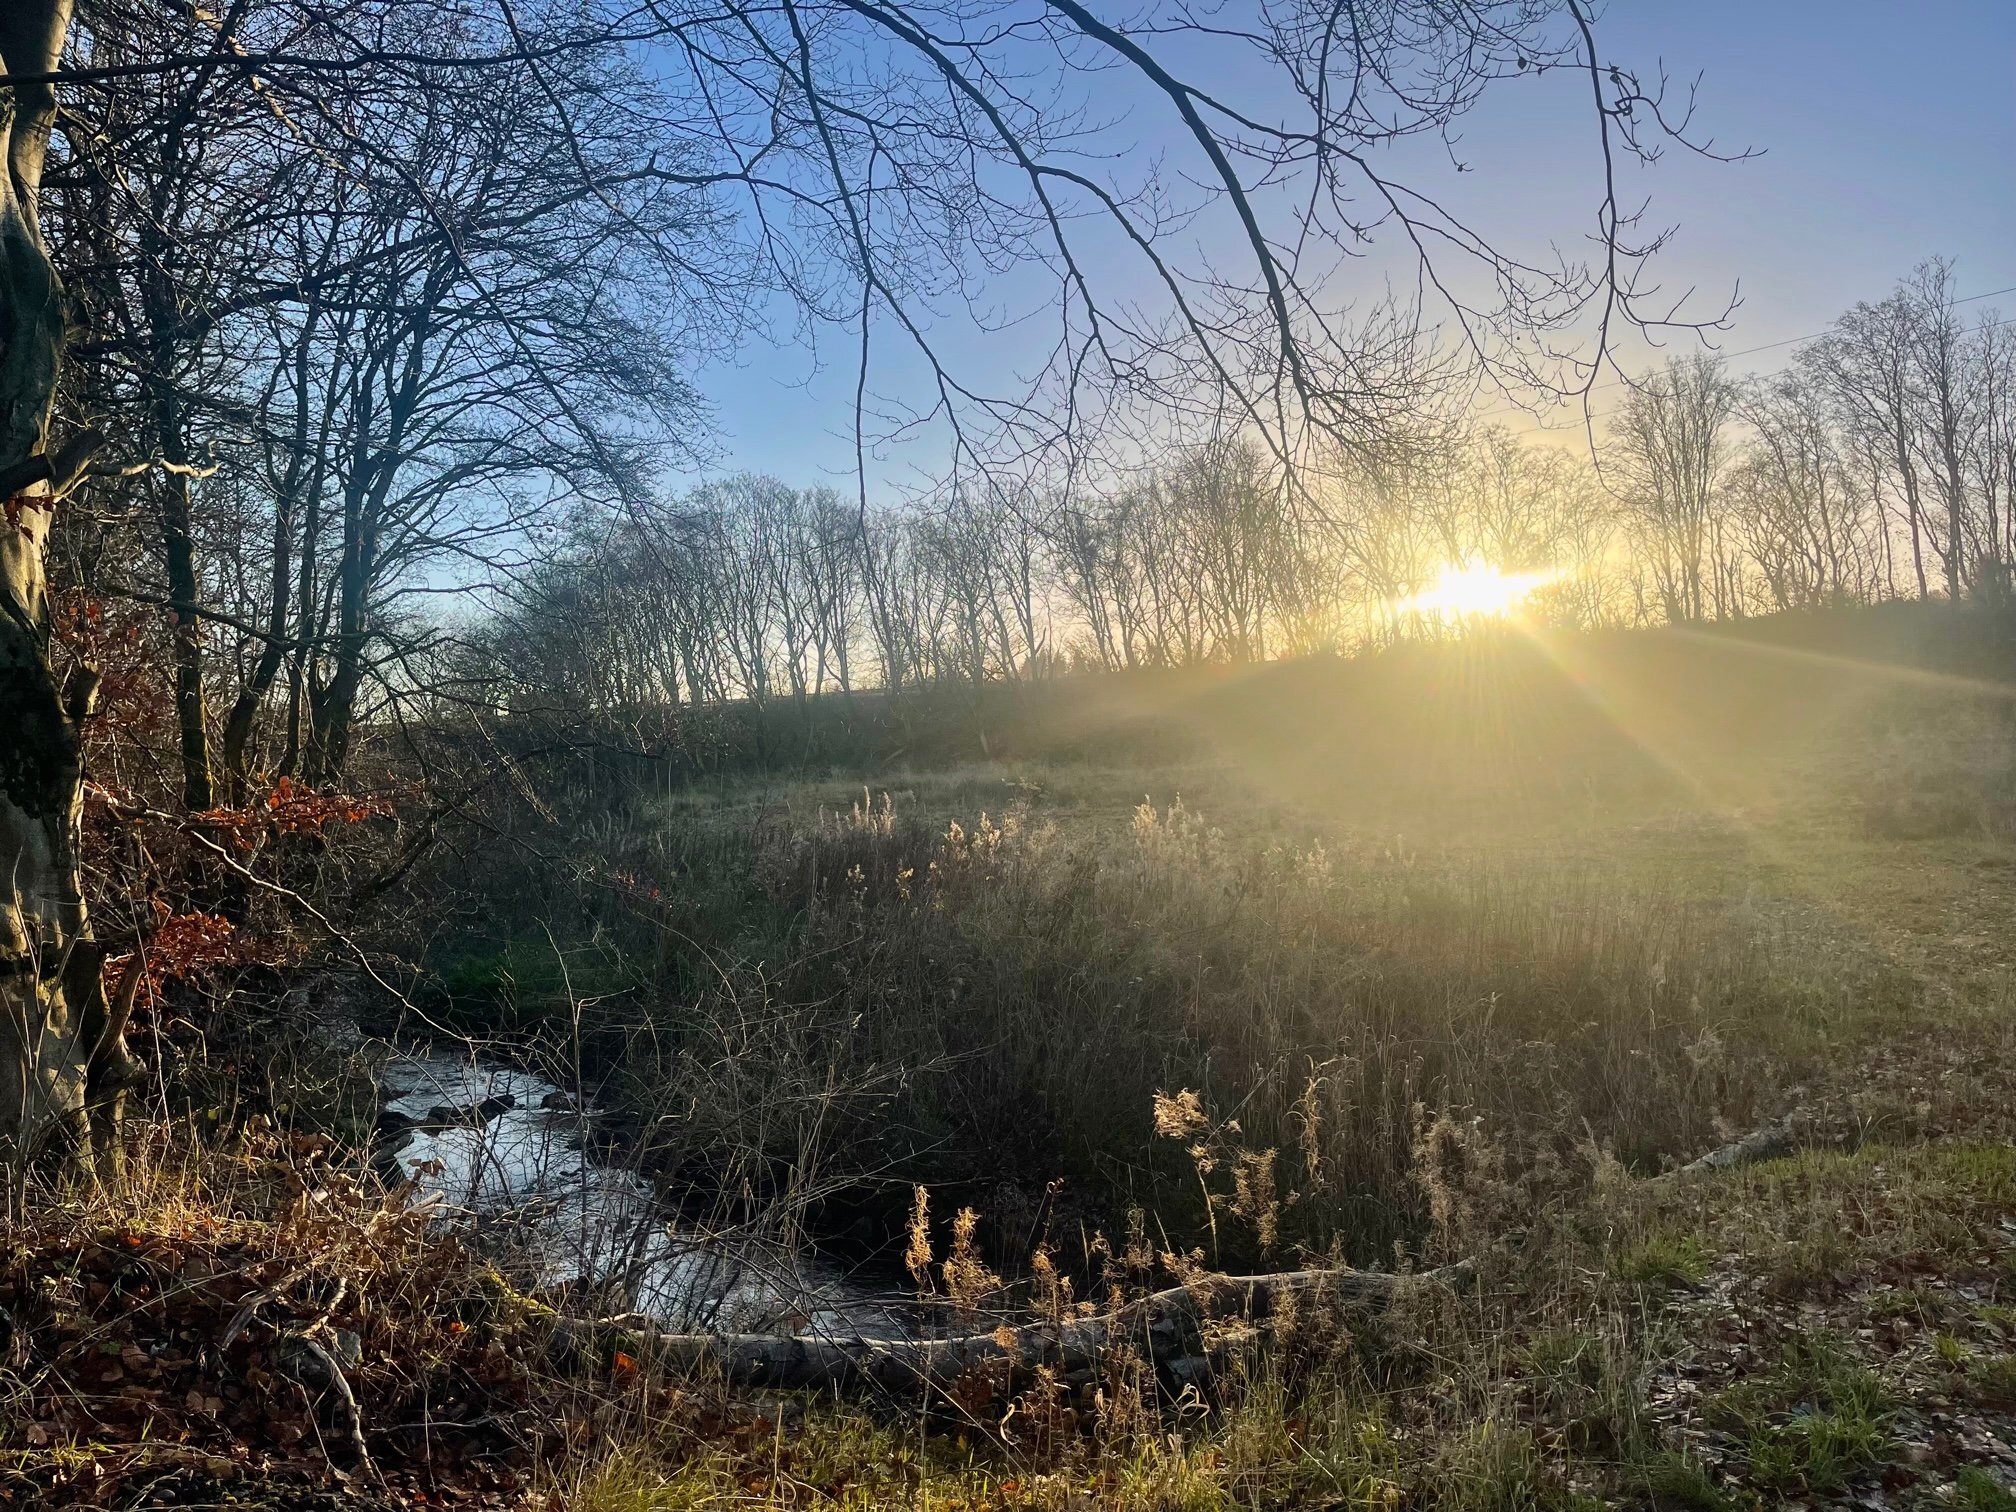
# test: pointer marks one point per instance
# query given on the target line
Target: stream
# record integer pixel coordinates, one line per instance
(504, 1152)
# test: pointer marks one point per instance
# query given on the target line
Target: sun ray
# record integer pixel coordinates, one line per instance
(1880, 671)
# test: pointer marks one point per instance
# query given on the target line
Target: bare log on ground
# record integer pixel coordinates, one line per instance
(1768, 1143)
(1164, 1328)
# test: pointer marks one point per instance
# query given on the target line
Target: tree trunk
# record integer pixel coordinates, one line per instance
(171, 443)
(62, 1058)
(198, 791)
(245, 710)
(333, 705)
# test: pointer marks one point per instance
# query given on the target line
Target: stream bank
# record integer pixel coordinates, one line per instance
(509, 1155)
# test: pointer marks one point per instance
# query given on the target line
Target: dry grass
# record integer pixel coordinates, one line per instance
(1279, 1011)
(1414, 1021)
(1575, 1379)
(1019, 984)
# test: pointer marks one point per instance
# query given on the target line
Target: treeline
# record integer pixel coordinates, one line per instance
(1878, 465)
(750, 589)
(360, 336)
(381, 345)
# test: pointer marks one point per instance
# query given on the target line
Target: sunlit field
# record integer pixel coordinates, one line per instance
(1635, 1007)
(1460, 975)
(1628, 891)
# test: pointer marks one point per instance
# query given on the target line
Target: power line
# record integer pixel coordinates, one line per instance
(1770, 346)
(1992, 325)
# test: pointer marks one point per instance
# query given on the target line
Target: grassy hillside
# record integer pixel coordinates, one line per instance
(1462, 952)
(1456, 952)
(1460, 948)
(1621, 891)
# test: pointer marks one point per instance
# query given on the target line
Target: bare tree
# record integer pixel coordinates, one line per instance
(1671, 448)
(482, 219)
(1864, 364)
(1949, 413)
(1806, 521)
(1228, 512)
(1992, 454)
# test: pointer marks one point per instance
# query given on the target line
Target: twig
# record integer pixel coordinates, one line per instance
(338, 1383)
(238, 868)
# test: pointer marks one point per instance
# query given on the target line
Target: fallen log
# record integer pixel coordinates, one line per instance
(1768, 1143)
(1163, 1328)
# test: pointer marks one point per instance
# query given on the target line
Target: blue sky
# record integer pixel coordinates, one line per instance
(1888, 134)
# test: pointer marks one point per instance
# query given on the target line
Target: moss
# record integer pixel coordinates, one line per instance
(494, 1300)
(1950, 1349)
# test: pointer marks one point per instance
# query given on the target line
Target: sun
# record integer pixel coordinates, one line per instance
(1476, 590)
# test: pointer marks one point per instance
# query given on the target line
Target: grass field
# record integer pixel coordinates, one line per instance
(1476, 1004)
(1454, 956)
(1461, 954)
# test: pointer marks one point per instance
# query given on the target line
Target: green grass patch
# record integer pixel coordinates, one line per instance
(1663, 1260)
(1666, 1481)
(1978, 1491)
(524, 983)
(1496, 1468)
(1992, 1380)
(1813, 1424)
